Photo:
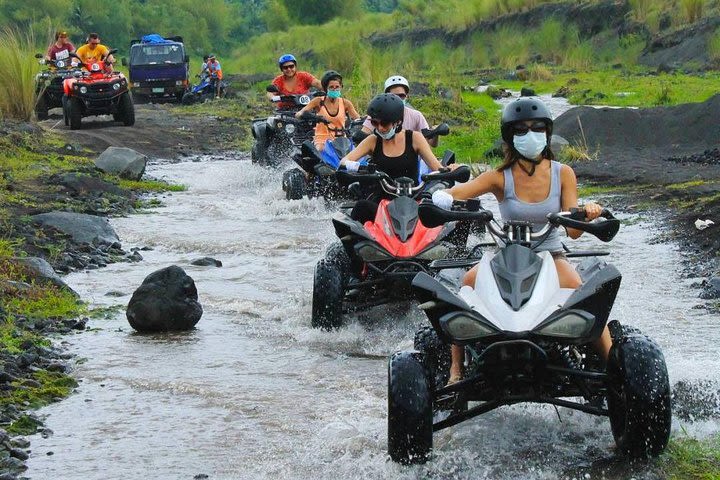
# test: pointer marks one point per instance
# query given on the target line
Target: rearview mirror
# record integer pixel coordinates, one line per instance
(272, 88)
(114, 50)
(38, 55)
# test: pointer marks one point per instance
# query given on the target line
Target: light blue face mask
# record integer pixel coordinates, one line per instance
(334, 93)
(386, 136)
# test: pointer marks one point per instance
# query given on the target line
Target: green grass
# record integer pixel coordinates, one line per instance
(17, 74)
(714, 45)
(691, 459)
(44, 303)
(149, 185)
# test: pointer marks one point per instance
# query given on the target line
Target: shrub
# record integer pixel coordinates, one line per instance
(714, 46)
(17, 74)
(693, 9)
(540, 73)
(640, 9)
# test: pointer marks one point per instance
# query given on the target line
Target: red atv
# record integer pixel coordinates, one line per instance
(97, 90)
(380, 251)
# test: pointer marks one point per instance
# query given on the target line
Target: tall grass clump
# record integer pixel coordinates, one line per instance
(17, 74)
(692, 9)
(640, 9)
(549, 40)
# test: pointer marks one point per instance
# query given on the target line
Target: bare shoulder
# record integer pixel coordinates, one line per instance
(566, 172)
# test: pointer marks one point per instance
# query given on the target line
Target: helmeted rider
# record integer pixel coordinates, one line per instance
(528, 185)
(291, 81)
(93, 50)
(414, 119)
(204, 68)
(61, 48)
(333, 107)
(215, 73)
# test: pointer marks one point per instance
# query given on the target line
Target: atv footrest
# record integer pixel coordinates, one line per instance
(453, 263)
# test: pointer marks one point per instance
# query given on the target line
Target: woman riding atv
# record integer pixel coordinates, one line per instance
(528, 185)
(332, 107)
(291, 81)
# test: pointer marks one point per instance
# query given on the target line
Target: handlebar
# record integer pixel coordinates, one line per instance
(441, 130)
(401, 186)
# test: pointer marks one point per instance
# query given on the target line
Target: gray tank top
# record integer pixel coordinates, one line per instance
(512, 208)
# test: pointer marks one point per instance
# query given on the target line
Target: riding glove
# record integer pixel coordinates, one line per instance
(442, 199)
(351, 166)
(275, 98)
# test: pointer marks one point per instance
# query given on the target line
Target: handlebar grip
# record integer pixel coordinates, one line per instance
(433, 216)
(604, 230)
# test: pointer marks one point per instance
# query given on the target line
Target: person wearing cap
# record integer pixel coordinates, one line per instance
(291, 81)
(413, 119)
(61, 48)
(93, 50)
(215, 72)
(333, 108)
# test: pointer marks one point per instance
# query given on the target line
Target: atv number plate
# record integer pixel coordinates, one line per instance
(158, 90)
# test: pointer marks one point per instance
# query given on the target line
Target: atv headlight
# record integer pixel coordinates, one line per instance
(136, 84)
(568, 324)
(83, 89)
(435, 253)
(371, 253)
(178, 83)
(290, 128)
(116, 86)
(466, 326)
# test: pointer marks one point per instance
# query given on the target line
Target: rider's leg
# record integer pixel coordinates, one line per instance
(457, 352)
(569, 278)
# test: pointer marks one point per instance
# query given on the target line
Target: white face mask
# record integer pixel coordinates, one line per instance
(387, 135)
(531, 144)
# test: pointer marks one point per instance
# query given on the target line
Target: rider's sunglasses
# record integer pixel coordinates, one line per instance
(379, 123)
(402, 95)
(521, 129)
(288, 66)
(94, 43)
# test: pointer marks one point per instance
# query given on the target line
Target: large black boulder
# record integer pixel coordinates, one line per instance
(167, 300)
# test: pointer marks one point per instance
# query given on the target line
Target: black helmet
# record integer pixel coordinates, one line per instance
(524, 108)
(386, 107)
(329, 75)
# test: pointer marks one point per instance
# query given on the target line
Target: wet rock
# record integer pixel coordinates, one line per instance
(206, 262)
(19, 442)
(167, 300)
(18, 453)
(40, 270)
(123, 161)
(115, 293)
(86, 185)
(557, 143)
(527, 92)
(88, 229)
(711, 289)
(135, 257)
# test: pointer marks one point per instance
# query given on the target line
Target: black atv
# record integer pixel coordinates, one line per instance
(526, 340)
(49, 84)
(280, 135)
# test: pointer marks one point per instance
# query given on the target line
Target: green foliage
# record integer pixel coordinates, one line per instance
(25, 425)
(45, 302)
(17, 74)
(149, 185)
(640, 9)
(690, 459)
(692, 9)
(713, 45)
(315, 12)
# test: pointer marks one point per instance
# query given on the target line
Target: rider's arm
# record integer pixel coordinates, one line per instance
(310, 107)
(569, 199)
(422, 147)
(364, 148)
(350, 108)
(316, 83)
(490, 181)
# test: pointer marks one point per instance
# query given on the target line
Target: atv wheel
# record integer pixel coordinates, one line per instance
(328, 293)
(189, 98)
(410, 418)
(638, 396)
(257, 154)
(41, 109)
(294, 184)
(66, 117)
(75, 113)
(126, 110)
(436, 355)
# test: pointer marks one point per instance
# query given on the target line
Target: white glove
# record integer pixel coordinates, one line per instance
(351, 166)
(275, 98)
(442, 199)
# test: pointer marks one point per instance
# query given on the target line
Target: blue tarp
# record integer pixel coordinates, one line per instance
(154, 38)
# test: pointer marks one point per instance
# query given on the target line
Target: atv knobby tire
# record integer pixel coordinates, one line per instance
(410, 417)
(436, 355)
(188, 98)
(126, 110)
(638, 396)
(258, 152)
(74, 107)
(294, 184)
(328, 293)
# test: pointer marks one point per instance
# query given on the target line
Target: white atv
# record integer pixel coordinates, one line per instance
(526, 340)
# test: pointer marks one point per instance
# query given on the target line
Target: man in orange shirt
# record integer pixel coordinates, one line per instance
(94, 51)
(291, 81)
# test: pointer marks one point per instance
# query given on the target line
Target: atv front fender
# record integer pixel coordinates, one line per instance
(261, 131)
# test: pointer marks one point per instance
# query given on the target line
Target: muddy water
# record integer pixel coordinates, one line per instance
(255, 392)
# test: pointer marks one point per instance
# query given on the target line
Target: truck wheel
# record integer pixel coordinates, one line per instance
(41, 109)
(188, 98)
(410, 420)
(126, 110)
(75, 113)
(638, 396)
(293, 184)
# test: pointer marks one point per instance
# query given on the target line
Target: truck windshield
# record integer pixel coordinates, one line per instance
(156, 54)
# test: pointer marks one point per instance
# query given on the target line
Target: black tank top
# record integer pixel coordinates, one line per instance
(405, 165)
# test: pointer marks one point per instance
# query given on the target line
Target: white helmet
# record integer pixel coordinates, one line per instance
(394, 81)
